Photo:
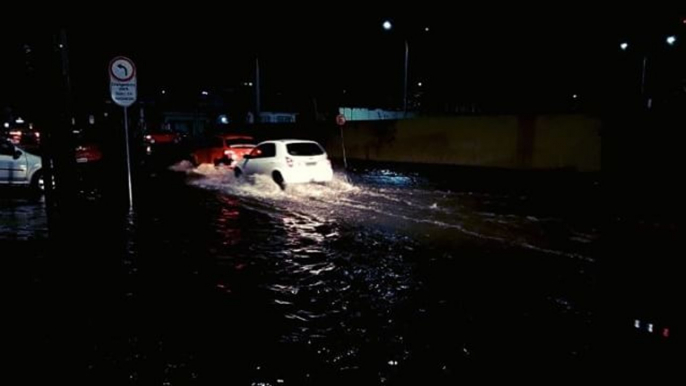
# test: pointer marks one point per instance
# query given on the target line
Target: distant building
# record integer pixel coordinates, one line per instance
(272, 117)
(191, 124)
(364, 114)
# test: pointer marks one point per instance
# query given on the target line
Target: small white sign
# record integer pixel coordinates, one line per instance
(123, 84)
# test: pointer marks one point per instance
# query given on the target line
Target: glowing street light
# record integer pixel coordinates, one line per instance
(387, 26)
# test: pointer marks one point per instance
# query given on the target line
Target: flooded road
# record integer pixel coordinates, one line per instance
(382, 277)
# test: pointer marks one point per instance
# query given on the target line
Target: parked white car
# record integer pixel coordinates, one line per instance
(289, 161)
(17, 167)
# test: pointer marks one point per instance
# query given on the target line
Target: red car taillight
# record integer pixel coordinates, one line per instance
(289, 162)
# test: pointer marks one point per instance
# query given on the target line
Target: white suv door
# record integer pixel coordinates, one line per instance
(12, 169)
(262, 159)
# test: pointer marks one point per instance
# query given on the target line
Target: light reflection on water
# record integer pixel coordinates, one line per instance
(22, 219)
(345, 265)
(375, 276)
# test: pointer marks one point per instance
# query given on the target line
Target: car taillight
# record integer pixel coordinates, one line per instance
(289, 162)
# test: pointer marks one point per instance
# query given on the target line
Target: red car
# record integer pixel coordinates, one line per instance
(28, 139)
(88, 152)
(161, 141)
(224, 149)
(163, 138)
(87, 148)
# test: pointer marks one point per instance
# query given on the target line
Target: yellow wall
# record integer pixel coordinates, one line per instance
(537, 142)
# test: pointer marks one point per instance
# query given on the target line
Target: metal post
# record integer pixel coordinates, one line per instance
(407, 56)
(345, 159)
(643, 75)
(257, 90)
(128, 156)
(643, 80)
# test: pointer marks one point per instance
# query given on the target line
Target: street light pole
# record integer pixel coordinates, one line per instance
(387, 25)
(643, 75)
(671, 40)
(407, 56)
(258, 107)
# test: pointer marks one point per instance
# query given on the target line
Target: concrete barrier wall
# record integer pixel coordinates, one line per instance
(511, 142)
(570, 141)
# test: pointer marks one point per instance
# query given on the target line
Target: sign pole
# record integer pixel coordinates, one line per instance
(340, 121)
(345, 159)
(128, 156)
(123, 90)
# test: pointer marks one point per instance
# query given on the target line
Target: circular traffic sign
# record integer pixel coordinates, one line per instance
(340, 119)
(122, 69)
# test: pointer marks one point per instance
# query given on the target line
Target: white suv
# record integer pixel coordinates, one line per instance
(289, 161)
(18, 167)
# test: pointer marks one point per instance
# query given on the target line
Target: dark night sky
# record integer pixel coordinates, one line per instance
(489, 57)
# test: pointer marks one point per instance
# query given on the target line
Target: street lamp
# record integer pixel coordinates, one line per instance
(388, 26)
(671, 40)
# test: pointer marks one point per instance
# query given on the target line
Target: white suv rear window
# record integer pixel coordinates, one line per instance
(304, 149)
